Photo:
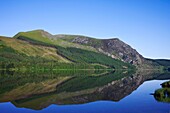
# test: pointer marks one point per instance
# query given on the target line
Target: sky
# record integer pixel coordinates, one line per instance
(143, 24)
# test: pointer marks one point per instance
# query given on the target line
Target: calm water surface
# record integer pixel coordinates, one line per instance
(128, 94)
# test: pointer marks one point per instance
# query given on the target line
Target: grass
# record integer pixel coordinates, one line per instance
(24, 48)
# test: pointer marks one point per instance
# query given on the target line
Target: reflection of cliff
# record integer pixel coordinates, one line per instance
(114, 90)
(82, 89)
(117, 90)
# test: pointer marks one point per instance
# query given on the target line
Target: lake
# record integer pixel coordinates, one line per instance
(66, 92)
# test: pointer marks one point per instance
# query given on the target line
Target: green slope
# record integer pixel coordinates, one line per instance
(14, 50)
(163, 94)
(39, 46)
(42, 36)
(73, 52)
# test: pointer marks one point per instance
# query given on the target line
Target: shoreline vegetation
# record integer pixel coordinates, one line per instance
(163, 94)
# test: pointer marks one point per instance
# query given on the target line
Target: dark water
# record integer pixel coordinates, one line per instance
(116, 92)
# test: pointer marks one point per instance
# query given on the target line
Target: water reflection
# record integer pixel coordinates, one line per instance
(38, 90)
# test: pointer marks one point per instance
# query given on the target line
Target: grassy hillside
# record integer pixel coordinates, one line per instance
(42, 36)
(39, 47)
(75, 53)
(23, 49)
(23, 56)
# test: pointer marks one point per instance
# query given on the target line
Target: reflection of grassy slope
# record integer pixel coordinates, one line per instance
(33, 88)
(11, 80)
(69, 89)
(42, 101)
(88, 82)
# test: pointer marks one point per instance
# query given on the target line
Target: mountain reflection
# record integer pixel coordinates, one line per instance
(39, 90)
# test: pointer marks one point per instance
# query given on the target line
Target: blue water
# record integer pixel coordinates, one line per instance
(139, 101)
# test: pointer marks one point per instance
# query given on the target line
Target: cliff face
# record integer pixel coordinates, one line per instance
(122, 51)
(113, 47)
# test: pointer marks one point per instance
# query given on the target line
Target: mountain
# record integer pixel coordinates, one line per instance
(41, 46)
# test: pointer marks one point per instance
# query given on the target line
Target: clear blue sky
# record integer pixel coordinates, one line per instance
(144, 24)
